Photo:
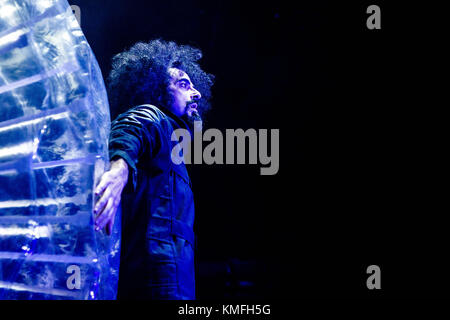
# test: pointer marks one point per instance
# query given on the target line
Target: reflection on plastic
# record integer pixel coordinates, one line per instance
(54, 125)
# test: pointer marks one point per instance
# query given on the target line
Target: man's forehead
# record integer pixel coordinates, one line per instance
(177, 74)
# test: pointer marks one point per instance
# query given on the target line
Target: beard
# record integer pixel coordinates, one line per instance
(190, 119)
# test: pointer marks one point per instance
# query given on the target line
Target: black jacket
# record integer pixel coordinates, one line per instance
(157, 206)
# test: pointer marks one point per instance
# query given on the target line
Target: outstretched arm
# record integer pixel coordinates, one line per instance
(108, 193)
(133, 134)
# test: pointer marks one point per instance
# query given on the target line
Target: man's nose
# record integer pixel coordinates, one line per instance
(196, 95)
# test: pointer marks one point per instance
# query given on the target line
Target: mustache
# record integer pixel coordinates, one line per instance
(191, 102)
(194, 112)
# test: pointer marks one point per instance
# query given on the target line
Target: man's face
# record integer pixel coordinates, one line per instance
(185, 96)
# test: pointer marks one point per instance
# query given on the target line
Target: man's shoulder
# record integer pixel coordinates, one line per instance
(145, 114)
(150, 115)
(148, 111)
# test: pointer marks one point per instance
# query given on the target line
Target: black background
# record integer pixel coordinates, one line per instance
(351, 190)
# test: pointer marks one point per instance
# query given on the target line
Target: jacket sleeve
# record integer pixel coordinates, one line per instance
(133, 134)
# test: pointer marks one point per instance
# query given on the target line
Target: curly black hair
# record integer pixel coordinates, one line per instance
(140, 75)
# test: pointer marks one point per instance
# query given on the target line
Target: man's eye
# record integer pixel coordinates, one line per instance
(184, 85)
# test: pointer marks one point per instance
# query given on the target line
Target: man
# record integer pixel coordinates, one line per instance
(157, 80)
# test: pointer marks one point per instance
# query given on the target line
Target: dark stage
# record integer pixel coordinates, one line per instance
(349, 192)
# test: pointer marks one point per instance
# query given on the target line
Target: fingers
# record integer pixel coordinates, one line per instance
(101, 203)
(110, 224)
(103, 218)
(104, 181)
(110, 188)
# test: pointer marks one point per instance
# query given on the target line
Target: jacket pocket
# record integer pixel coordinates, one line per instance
(160, 250)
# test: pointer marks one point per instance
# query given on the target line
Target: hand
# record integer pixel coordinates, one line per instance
(110, 189)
